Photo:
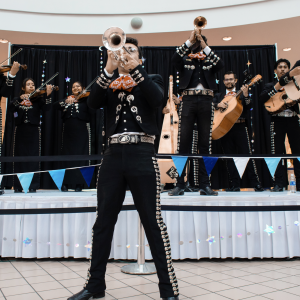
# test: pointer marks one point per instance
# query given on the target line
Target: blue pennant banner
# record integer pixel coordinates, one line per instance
(209, 163)
(58, 177)
(25, 180)
(87, 174)
(179, 162)
(272, 164)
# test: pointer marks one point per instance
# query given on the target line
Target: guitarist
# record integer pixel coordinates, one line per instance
(196, 64)
(283, 123)
(236, 141)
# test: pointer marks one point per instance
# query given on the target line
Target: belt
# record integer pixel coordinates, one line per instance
(131, 139)
(240, 121)
(286, 114)
(198, 93)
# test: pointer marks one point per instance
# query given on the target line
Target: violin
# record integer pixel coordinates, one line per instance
(42, 91)
(7, 68)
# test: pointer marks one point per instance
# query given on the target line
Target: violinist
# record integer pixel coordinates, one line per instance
(6, 87)
(76, 134)
(27, 134)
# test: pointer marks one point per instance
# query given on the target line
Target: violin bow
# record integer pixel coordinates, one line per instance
(18, 51)
(42, 85)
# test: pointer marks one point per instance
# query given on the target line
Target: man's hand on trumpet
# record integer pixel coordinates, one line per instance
(111, 64)
(131, 62)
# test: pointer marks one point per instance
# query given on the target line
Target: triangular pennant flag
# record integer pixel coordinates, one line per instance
(25, 180)
(179, 162)
(58, 177)
(241, 164)
(298, 158)
(1, 176)
(87, 174)
(272, 163)
(209, 163)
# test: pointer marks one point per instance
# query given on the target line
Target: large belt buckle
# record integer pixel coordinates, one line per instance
(124, 139)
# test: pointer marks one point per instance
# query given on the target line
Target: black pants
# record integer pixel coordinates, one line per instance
(27, 142)
(236, 141)
(135, 165)
(200, 109)
(280, 126)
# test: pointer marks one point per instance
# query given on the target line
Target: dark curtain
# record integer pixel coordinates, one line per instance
(79, 64)
(82, 63)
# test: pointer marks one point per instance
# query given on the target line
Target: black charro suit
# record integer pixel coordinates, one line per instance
(196, 107)
(134, 165)
(280, 127)
(6, 90)
(237, 141)
(27, 135)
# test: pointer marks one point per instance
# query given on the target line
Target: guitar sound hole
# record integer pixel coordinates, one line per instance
(284, 96)
(166, 136)
(175, 122)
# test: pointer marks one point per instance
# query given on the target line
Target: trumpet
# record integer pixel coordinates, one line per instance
(114, 39)
(199, 24)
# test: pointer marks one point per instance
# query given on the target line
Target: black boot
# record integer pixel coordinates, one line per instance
(233, 189)
(17, 191)
(64, 188)
(277, 188)
(32, 191)
(208, 191)
(177, 191)
(86, 295)
(258, 188)
(171, 298)
(78, 188)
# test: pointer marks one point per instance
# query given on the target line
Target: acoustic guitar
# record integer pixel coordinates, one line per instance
(225, 118)
(168, 139)
(285, 99)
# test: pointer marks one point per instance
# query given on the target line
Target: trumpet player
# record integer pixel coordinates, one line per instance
(196, 64)
(131, 97)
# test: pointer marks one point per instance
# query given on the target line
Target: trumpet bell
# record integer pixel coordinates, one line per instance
(200, 22)
(114, 38)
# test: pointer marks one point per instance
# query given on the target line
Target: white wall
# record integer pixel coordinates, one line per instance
(95, 16)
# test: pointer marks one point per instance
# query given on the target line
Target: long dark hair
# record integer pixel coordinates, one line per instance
(24, 85)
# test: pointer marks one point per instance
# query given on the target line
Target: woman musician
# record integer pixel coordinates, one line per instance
(27, 134)
(76, 138)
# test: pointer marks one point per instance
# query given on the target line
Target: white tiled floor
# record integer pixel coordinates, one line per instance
(199, 280)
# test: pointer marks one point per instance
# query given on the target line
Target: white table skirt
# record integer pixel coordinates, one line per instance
(236, 234)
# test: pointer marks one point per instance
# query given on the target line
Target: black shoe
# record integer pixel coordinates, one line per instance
(177, 191)
(78, 188)
(258, 188)
(233, 189)
(64, 188)
(86, 295)
(277, 188)
(171, 298)
(208, 191)
(32, 191)
(17, 191)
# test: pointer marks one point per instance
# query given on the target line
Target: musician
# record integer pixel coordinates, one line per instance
(237, 141)
(27, 134)
(197, 64)
(283, 123)
(131, 97)
(76, 135)
(6, 89)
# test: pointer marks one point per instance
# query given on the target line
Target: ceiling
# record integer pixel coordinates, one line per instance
(265, 33)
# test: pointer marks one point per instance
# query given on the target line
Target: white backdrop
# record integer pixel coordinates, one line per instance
(236, 234)
(94, 16)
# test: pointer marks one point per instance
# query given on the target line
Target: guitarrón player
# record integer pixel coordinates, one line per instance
(236, 141)
(283, 123)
